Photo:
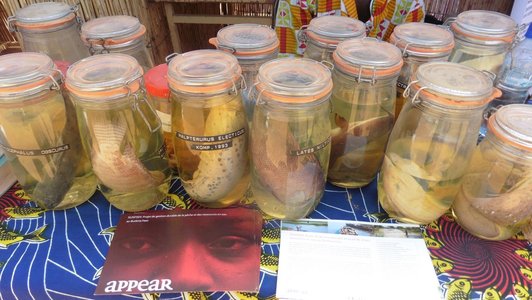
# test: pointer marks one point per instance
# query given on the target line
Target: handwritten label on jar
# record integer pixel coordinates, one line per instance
(312, 149)
(37, 152)
(401, 85)
(224, 138)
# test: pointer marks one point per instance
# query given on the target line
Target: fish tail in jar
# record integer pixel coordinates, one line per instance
(220, 170)
(293, 178)
(114, 160)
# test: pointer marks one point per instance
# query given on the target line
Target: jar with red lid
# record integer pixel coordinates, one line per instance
(362, 116)
(493, 201)
(120, 130)
(39, 133)
(325, 32)
(420, 43)
(290, 138)
(432, 141)
(117, 34)
(51, 28)
(158, 93)
(252, 45)
(211, 141)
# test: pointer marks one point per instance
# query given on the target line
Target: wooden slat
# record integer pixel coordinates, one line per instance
(209, 19)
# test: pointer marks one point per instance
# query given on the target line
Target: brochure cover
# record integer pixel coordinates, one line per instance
(331, 259)
(182, 251)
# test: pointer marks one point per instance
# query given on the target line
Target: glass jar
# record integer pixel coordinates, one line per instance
(494, 199)
(156, 82)
(252, 45)
(117, 34)
(290, 138)
(121, 130)
(482, 39)
(39, 133)
(420, 43)
(51, 28)
(211, 130)
(432, 141)
(325, 32)
(363, 101)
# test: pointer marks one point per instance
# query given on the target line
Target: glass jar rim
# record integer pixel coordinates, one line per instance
(105, 76)
(26, 73)
(511, 124)
(112, 30)
(334, 29)
(204, 71)
(368, 58)
(453, 85)
(485, 26)
(244, 40)
(422, 39)
(294, 80)
(44, 15)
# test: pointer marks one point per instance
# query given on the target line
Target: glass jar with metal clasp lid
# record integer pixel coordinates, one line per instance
(252, 45)
(420, 43)
(325, 32)
(39, 133)
(117, 34)
(363, 101)
(211, 129)
(290, 138)
(121, 131)
(51, 28)
(494, 199)
(432, 141)
(482, 39)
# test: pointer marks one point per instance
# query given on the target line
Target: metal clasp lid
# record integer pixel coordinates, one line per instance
(137, 101)
(415, 99)
(11, 24)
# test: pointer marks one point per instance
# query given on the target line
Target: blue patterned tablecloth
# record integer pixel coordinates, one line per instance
(60, 254)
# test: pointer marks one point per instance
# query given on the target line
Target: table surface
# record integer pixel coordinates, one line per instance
(59, 254)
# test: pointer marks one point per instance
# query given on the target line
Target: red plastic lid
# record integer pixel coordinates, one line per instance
(62, 65)
(156, 81)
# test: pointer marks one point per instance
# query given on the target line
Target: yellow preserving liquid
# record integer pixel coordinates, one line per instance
(127, 157)
(361, 126)
(36, 137)
(419, 181)
(211, 148)
(290, 159)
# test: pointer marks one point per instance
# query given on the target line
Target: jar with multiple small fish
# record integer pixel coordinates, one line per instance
(122, 133)
(39, 133)
(420, 43)
(325, 32)
(363, 109)
(117, 34)
(158, 94)
(432, 141)
(51, 28)
(210, 125)
(290, 135)
(493, 201)
(252, 45)
(482, 39)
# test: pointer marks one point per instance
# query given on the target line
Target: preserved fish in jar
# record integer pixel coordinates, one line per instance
(211, 130)
(290, 137)
(252, 45)
(159, 96)
(494, 199)
(39, 133)
(420, 43)
(121, 131)
(51, 28)
(432, 141)
(363, 102)
(117, 34)
(325, 32)
(482, 39)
